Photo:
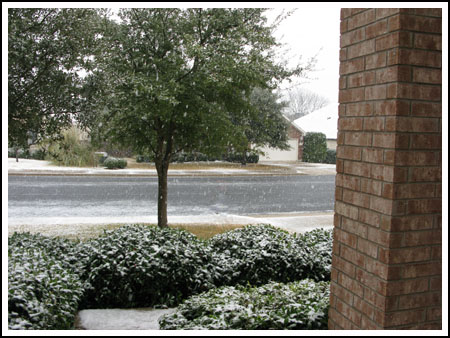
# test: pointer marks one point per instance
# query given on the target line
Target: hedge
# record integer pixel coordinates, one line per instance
(141, 266)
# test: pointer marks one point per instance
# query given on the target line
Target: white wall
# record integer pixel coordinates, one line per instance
(281, 155)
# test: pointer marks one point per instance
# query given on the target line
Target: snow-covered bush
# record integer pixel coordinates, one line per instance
(318, 246)
(301, 305)
(137, 266)
(44, 286)
(257, 254)
(114, 163)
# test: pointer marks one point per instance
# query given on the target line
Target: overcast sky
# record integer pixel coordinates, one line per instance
(313, 31)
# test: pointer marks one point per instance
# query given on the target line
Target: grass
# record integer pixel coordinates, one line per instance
(132, 164)
(87, 231)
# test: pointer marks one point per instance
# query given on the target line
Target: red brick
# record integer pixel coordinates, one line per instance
(351, 66)
(428, 41)
(346, 267)
(415, 23)
(393, 73)
(346, 210)
(351, 95)
(385, 239)
(419, 300)
(418, 190)
(426, 141)
(351, 284)
(353, 124)
(374, 123)
(361, 19)
(369, 217)
(391, 140)
(352, 37)
(408, 255)
(372, 155)
(357, 169)
(365, 47)
(408, 223)
(413, 91)
(414, 57)
(427, 109)
(428, 206)
(437, 12)
(371, 281)
(348, 182)
(370, 186)
(407, 286)
(404, 317)
(393, 40)
(426, 174)
(361, 79)
(386, 12)
(381, 205)
(376, 29)
(348, 312)
(341, 293)
(345, 238)
(412, 124)
(358, 139)
(434, 313)
(355, 198)
(359, 109)
(378, 60)
(364, 307)
(427, 75)
(367, 247)
(354, 227)
(436, 283)
(427, 237)
(351, 255)
(421, 270)
(393, 107)
(375, 92)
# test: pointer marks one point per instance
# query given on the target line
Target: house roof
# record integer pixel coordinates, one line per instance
(323, 120)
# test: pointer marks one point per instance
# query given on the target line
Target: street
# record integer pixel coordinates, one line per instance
(87, 196)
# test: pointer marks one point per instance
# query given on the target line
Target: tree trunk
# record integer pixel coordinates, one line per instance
(162, 168)
(17, 154)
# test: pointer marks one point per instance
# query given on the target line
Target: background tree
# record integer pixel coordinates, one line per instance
(46, 48)
(180, 80)
(265, 124)
(301, 102)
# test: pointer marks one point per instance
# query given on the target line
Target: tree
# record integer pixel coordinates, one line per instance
(266, 125)
(180, 80)
(301, 102)
(46, 47)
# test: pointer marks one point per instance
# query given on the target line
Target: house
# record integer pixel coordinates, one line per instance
(295, 135)
(323, 120)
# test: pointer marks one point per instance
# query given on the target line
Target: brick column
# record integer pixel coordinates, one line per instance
(386, 271)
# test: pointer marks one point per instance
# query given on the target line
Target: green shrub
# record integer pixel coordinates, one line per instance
(144, 158)
(257, 254)
(141, 266)
(331, 156)
(114, 163)
(71, 151)
(301, 305)
(317, 247)
(314, 148)
(44, 286)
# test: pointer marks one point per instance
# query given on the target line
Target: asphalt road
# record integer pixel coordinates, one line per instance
(87, 196)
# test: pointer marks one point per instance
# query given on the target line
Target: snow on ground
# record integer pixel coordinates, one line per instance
(120, 319)
(38, 166)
